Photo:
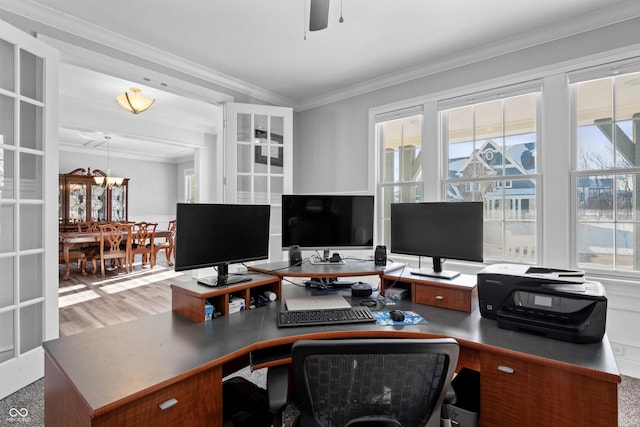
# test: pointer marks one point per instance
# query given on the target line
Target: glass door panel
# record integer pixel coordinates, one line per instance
(77, 202)
(28, 235)
(6, 119)
(7, 181)
(258, 143)
(31, 173)
(98, 203)
(119, 203)
(31, 75)
(6, 66)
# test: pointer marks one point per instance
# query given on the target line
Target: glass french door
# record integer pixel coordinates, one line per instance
(28, 206)
(258, 161)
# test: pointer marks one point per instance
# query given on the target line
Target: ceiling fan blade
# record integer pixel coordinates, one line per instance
(319, 15)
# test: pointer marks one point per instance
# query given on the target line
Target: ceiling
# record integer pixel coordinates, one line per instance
(262, 48)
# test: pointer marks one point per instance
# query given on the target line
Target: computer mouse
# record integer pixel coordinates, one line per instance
(397, 315)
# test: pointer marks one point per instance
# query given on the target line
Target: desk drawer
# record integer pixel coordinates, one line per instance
(194, 401)
(443, 297)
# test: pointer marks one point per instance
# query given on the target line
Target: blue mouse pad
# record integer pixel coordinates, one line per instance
(410, 318)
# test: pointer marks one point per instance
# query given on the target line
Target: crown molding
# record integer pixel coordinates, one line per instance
(68, 29)
(624, 12)
(110, 41)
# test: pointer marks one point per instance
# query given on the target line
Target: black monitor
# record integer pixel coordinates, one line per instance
(216, 235)
(440, 230)
(327, 222)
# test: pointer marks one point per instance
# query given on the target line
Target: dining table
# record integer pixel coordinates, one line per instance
(72, 239)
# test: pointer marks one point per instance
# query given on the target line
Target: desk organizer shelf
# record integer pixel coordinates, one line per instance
(189, 299)
(454, 294)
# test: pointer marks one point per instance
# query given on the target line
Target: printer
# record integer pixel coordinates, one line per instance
(556, 303)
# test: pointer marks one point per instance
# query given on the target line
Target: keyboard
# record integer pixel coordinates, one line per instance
(325, 317)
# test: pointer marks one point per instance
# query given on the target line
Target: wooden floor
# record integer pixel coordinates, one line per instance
(91, 301)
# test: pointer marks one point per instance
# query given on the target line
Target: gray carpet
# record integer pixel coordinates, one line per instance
(26, 406)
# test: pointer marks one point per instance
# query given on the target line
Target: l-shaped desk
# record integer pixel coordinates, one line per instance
(167, 369)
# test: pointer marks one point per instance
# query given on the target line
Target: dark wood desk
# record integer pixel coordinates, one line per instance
(119, 375)
(71, 239)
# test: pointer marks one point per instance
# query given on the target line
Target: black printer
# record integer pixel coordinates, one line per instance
(556, 303)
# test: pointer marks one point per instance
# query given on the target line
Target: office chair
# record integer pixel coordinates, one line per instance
(366, 382)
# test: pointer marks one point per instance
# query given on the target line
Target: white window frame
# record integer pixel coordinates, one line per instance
(606, 69)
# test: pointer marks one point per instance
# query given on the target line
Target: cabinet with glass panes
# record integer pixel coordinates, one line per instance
(81, 199)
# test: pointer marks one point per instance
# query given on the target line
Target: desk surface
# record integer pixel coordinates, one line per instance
(351, 267)
(117, 363)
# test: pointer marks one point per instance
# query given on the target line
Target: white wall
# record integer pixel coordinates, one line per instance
(333, 143)
(152, 185)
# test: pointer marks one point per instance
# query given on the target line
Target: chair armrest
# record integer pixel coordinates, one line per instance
(277, 388)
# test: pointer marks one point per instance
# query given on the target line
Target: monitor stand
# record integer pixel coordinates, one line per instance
(436, 271)
(336, 259)
(444, 274)
(223, 278)
(214, 281)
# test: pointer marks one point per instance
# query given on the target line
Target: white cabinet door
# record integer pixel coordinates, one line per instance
(258, 160)
(28, 206)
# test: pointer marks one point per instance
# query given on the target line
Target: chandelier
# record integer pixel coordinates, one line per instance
(108, 181)
(134, 102)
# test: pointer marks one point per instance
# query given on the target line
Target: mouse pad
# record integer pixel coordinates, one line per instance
(410, 318)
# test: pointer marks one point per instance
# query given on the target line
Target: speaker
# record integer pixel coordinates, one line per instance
(295, 255)
(380, 255)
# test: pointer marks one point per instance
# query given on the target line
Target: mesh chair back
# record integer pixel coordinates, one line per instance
(341, 380)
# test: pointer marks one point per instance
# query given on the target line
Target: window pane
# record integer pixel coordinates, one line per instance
(626, 155)
(595, 198)
(461, 143)
(6, 281)
(31, 173)
(31, 75)
(594, 147)
(31, 233)
(7, 338)
(520, 241)
(594, 101)
(595, 245)
(31, 126)
(31, 327)
(6, 120)
(627, 98)
(626, 200)
(488, 120)
(245, 157)
(401, 142)
(410, 193)
(243, 128)
(7, 168)
(6, 66)
(31, 282)
(626, 253)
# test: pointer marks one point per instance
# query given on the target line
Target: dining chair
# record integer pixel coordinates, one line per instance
(168, 246)
(115, 244)
(75, 254)
(142, 242)
(91, 251)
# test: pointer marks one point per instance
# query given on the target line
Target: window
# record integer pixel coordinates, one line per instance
(189, 186)
(606, 159)
(399, 138)
(490, 142)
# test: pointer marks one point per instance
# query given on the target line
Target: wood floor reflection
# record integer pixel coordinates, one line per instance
(91, 301)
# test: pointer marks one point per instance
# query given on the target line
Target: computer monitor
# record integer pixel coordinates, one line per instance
(440, 230)
(327, 222)
(216, 235)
